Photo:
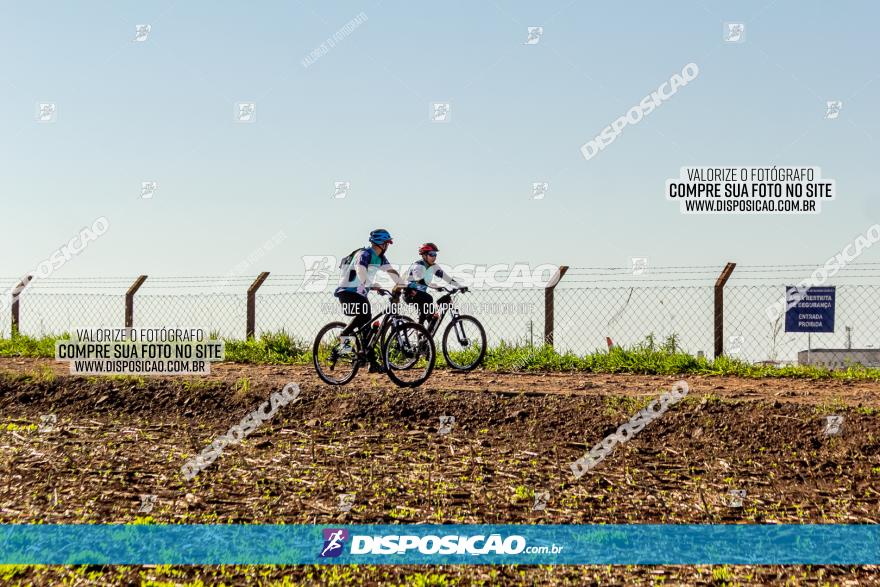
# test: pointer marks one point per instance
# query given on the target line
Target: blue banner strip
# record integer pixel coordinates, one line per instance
(638, 544)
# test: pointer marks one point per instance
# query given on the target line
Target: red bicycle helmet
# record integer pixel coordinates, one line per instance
(427, 248)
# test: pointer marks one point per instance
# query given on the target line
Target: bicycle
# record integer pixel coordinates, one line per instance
(405, 345)
(470, 336)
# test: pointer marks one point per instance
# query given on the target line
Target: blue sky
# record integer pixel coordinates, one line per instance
(162, 110)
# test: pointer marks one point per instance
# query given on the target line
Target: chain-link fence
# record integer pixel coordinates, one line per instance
(589, 307)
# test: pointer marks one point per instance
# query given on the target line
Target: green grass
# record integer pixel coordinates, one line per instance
(26, 346)
(648, 358)
(274, 348)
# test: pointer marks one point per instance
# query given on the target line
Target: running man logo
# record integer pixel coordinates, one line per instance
(47, 423)
(735, 344)
(446, 424)
(735, 498)
(141, 32)
(734, 32)
(833, 425)
(832, 109)
(440, 112)
(47, 112)
(334, 541)
(639, 265)
(147, 503)
(341, 189)
(148, 189)
(245, 112)
(318, 268)
(539, 189)
(535, 34)
(541, 499)
(346, 501)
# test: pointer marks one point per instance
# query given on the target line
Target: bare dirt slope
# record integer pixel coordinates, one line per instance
(115, 439)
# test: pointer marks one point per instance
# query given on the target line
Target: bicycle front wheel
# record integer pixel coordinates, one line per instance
(409, 354)
(334, 367)
(464, 343)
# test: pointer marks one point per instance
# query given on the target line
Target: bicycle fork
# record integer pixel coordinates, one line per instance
(459, 330)
(402, 339)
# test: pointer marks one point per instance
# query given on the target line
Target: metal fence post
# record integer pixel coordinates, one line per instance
(16, 296)
(548, 304)
(252, 303)
(719, 308)
(129, 300)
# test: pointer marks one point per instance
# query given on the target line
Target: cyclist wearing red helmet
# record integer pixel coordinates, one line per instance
(419, 279)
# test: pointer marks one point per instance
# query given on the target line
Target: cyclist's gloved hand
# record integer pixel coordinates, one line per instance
(463, 288)
(361, 290)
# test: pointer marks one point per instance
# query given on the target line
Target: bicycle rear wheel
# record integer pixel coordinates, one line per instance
(464, 343)
(409, 354)
(332, 366)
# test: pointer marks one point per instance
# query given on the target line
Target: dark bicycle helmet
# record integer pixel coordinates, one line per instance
(380, 236)
(427, 248)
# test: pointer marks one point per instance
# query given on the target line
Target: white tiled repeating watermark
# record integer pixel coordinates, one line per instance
(735, 344)
(541, 500)
(332, 40)
(639, 265)
(534, 35)
(341, 189)
(252, 259)
(142, 32)
(833, 425)
(237, 433)
(345, 502)
(57, 259)
(734, 32)
(148, 189)
(47, 423)
(333, 308)
(319, 270)
(832, 109)
(245, 112)
(147, 503)
(441, 112)
(323, 272)
(46, 112)
(446, 425)
(635, 114)
(539, 189)
(627, 430)
(822, 274)
(735, 498)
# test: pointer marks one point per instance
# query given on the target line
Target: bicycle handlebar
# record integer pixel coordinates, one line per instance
(385, 292)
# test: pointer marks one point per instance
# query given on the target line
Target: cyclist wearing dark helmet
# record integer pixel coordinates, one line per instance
(419, 279)
(357, 278)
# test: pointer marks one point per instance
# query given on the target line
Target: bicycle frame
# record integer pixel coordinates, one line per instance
(452, 311)
(386, 315)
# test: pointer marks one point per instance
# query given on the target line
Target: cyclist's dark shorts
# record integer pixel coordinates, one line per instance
(354, 304)
(423, 301)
